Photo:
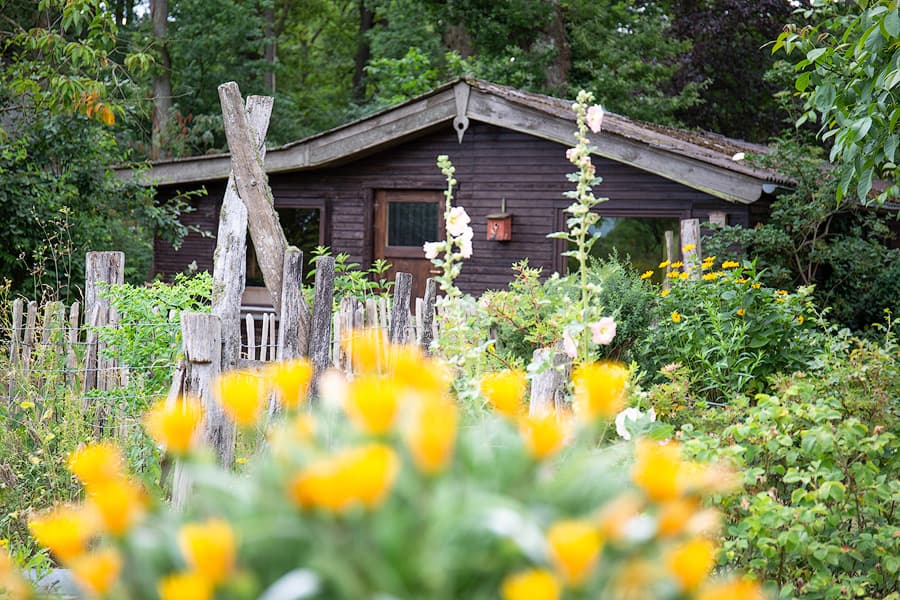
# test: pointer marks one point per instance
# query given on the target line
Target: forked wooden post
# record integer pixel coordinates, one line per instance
(320, 324)
(400, 313)
(229, 260)
(201, 335)
(252, 186)
(690, 238)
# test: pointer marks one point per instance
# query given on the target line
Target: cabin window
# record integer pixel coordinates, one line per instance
(412, 223)
(638, 239)
(302, 227)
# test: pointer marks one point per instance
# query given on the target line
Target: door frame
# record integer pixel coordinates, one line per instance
(379, 221)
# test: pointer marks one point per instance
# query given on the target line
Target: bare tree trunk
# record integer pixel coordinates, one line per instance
(162, 76)
(557, 73)
(363, 51)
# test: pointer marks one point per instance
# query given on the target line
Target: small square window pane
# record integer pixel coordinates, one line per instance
(412, 223)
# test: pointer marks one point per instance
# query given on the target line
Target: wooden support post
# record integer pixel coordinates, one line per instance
(426, 335)
(71, 344)
(106, 267)
(201, 335)
(293, 327)
(15, 344)
(252, 186)
(690, 236)
(320, 323)
(229, 260)
(400, 314)
(548, 387)
(671, 250)
(28, 338)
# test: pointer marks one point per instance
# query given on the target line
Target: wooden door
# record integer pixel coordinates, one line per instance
(404, 221)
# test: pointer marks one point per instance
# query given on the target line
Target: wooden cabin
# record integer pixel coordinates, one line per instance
(371, 188)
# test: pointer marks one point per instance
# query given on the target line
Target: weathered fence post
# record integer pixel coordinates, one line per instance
(230, 258)
(293, 326)
(671, 256)
(320, 323)
(548, 387)
(15, 344)
(426, 334)
(201, 335)
(252, 186)
(106, 267)
(690, 236)
(400, 313)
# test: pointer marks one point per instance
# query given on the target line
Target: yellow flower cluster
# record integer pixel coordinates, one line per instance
(730, 264)
(646, 275)
(243, 394)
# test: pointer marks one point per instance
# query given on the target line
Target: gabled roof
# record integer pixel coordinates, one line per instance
(700, 160)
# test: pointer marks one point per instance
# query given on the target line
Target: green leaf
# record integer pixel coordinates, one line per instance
(891, 24)
(802, 81)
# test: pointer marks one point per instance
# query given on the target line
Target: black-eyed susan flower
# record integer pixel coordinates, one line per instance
(646, 274)
(574, 549)
(741, 312)
(676, 316)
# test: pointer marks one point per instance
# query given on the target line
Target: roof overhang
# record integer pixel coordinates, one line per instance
(547, 118)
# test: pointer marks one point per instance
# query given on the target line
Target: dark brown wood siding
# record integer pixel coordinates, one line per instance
(492, 164)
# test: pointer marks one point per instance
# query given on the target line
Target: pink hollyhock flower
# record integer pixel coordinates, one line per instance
(465, 247)
(569, 346)
(457, 221)
(431, 249)
(570, 154)
(604, 331)
(595, 118)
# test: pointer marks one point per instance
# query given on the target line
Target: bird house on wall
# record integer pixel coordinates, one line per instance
(499, 225)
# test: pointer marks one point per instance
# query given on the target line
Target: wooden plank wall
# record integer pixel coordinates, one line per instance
(492, 163)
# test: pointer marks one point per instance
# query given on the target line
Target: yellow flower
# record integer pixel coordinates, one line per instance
(677, 264)
(665, 293)
(738, 589)
(505, 390)
(65, 531)
(730, 264)
(97, 571)
(543, 435)
(612, 517)
(119, 504)
(241, 395)
(373, 403)
(755, 286)
(174, 426)
(97, 463)
(740, 280)
(676, 316)
(362, 475)
(800, 319)
(184, 586)
(674, 515)
(664, 264)
(657, 470)
(574, 549)
(782, 292)
(673, 274)
(683, 275)
(290, 380)
(710, 276)
(209, 549)
(741, 312)
(431, 434)
(600, 389)
(536, 584)
(368, 350)
(646, 274)
(411, 369)
(691, 562)
(688, 248)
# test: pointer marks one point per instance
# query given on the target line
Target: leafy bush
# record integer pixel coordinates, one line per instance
(821, 470)
(728, 331)
(350, 280)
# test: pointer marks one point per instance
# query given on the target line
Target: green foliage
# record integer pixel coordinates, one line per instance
(809, 239)
(350, 280)
(821, 467)
(729, 332)
(846, 74)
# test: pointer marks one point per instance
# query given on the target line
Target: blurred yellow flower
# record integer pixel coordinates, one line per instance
(664, 264)
(368, 350)
(97, 463)
(683, 275)
(646, 274)
(536, 584)
(800, 319)
(411, 369)
(677, 264)
(65, 531)
(711, 276)
(600, 389)
(730, 264)
(543, 435)
(242, 396)
(363, 474)
(373, 402)
(691, 562)
(97, 571)
(504, 390)
(574, 549)
(612, 517)
(782, 292)
(11, 583)
(755, 286)
(431, 434)
(673, 274)
(738, 589)
(676, 316)
(665, 293)
(657, 470)
(741, 312)
(674, 515)
(740, 280)
(209, 549)
(290, 380)
(119, 504)
(174, 426)
(184, 586)
(688, 248)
